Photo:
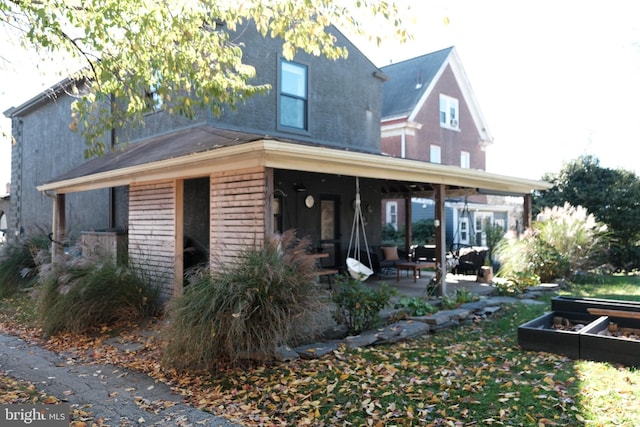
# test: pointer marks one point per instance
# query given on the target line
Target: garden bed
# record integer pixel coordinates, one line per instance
(586, 328)
(582, 305)
(555, 332)
(612, 339)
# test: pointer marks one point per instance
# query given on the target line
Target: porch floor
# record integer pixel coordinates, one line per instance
(406, 287)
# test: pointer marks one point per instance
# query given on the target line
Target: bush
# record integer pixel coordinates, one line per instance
(415, 306)
(562, 242)
(84, 293)
(358, 306)
(18, 268)
(247, 309)
(460, 297)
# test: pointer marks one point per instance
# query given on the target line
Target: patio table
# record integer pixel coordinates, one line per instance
(415, 267)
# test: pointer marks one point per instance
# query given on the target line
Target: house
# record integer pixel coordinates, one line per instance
(430, 113)
(286, 159)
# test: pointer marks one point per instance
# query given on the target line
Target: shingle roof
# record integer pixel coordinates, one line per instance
(408, 80)
(184, 142)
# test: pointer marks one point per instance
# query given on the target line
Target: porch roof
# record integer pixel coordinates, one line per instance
(201, 150)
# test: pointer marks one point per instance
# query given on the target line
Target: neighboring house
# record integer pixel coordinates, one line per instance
(430, 113)
(287, 159)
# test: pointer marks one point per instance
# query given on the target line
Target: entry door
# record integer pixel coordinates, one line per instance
(330, 230)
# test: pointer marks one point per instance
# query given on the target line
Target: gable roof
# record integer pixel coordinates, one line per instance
(202, 150)
(411, 82)
(408, 81)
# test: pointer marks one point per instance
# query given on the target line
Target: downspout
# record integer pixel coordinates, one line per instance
(403, 143)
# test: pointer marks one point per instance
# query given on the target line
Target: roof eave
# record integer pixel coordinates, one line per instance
(291, 156)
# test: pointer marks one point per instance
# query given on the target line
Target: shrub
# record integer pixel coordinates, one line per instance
(80, 294)
(563, 241)
(357, 305)
(415, 306)
(18, 268)
(460, 296)
(246, 309)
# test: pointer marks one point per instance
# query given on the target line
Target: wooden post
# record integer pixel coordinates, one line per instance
(408, 218)
(269, 194)
(441, 239)
(178, 270)
(526, 212)
(58, 225)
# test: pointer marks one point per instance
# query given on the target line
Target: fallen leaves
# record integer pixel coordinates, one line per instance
(467, 376)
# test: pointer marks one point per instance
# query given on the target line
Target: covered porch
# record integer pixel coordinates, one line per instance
(237, 182)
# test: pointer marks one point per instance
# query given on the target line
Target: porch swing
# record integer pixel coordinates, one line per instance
(357, 269)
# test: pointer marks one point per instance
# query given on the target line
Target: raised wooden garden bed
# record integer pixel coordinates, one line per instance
(586, 328)
(556, 332)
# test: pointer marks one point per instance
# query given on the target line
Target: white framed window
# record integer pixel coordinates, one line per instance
(435, 154)
(465, 159)
(449, 112)
(463, 223)
(482, 218)
(392, 214)
(293, 95)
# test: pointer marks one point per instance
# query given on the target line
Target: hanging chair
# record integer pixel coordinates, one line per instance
(357, 269)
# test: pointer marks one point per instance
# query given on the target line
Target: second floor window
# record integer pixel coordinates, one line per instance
(293, 95)
(449, 112)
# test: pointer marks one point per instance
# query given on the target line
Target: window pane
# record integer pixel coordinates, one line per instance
(327, 220)
(292, 112)
(294, 79)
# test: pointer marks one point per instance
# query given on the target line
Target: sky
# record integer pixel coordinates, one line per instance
(554, 79)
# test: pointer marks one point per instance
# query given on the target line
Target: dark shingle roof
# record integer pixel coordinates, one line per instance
(402, 91)
(183, 142)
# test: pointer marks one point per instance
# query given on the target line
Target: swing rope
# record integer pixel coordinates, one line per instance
(357, 269)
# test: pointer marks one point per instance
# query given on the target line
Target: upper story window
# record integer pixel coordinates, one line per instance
(293, 95)
(465, 159)
(434, 154)
(449, 112)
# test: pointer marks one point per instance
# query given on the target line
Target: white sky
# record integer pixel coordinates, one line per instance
(554, 79)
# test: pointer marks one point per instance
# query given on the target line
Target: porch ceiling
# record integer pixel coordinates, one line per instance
(202, 150)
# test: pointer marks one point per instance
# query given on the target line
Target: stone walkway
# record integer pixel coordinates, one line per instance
(120, 396)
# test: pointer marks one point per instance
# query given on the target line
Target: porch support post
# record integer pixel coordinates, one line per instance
(269, 194)
(58, 225)
(526, 212)
(408, 235)
(441, 242)
(178, 250)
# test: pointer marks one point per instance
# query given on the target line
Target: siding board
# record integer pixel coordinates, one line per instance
(152, 232)
(238, 200)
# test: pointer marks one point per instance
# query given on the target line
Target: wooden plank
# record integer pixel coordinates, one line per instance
(614, 313)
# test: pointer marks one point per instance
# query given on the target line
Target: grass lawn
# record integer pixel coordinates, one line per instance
(472, 375)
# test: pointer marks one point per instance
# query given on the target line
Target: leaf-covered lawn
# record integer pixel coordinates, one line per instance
(472, 375)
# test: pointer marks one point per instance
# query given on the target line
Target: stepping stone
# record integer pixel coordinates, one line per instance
(317, 350)
(403, 330)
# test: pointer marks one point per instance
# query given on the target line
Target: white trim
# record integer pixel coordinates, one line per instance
(293, 156)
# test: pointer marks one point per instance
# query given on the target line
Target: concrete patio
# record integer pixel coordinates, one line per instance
(406, 286)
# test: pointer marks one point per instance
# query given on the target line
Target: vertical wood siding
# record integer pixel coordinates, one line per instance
(238, 205)
(152, 232)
